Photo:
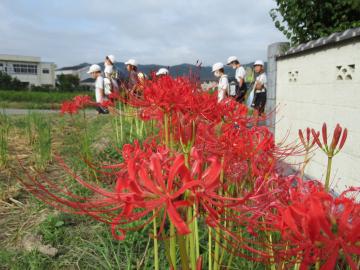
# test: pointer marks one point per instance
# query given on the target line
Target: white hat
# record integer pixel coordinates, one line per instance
(259, 63)
(131, 62)
(111, 58)
(94, 68)
(231, 59)
(217, 66)
(108, 69)
(162, 71)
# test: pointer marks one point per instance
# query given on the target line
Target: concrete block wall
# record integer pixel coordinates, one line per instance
(273, 50)
(322, 86)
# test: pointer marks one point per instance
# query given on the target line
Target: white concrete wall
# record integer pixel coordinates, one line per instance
(47, 78)
(309, 92)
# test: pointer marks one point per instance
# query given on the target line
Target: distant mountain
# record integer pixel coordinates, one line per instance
(177, 70)
(184, 70)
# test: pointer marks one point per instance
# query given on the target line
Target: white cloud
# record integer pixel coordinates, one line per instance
(153, 31)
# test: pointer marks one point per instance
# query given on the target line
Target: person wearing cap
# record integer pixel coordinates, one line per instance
(260, 86)
(95, 72)
(132, 68)
(162, 72)
(223, 86)
(109, 64)
(111, 86)
(240, 73)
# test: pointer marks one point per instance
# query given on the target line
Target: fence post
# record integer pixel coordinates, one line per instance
(273, 50)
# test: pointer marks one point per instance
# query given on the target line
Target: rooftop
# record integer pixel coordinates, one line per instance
(20, 58)
(333, 39)
(77, 67)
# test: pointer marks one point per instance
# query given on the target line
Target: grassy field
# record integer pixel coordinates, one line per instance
(35, 236)
(35, 100)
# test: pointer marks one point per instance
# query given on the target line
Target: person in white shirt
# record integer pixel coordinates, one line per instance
(110, 63)
(110, 84)
(95, 71)
(240, 74)
(260, 86)
(223, 86)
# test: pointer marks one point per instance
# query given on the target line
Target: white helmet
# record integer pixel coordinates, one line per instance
(217, 66)
(111, 58)
(162, 71)
(231, 59)
(259, 63)
(131, 62)
(94, 68)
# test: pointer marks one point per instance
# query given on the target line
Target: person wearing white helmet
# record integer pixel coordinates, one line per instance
(259, 100)
(132, 68)
(95, 72)
(162, 72)
(240, 73)
(223, 86)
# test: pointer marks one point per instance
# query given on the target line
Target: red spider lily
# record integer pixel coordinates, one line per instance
(107, 103)
(82, 101)
(331, 149)
(307, 143)
(69, 107)
(250, 148)
(319, 227)
(78, 103)
(149, 185)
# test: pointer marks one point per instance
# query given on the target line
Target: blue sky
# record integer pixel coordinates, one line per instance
(152, 31)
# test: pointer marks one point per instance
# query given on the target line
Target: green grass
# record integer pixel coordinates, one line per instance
(82, 242)
(35, 100)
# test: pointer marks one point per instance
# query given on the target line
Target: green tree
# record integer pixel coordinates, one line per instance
(304, 20)
(9, 83)
(67, 83)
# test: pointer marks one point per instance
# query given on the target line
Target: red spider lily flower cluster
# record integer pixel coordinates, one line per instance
(211, 160)
(310, 140)
(78, 103)
(315, 226)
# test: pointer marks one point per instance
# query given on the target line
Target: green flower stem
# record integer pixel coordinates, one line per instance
(166, 129)
(121, 123)
(217, 230)
(210, 249)
(191, 239)
(172, 245)
(156, 246)
(183, 254)
(328, 173)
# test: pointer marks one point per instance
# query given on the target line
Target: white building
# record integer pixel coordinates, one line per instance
(28, 69)
(319, 82)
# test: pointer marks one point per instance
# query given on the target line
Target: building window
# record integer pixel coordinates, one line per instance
(46, 71)
(25, 69)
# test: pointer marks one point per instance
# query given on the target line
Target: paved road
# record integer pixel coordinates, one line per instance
(26, 111)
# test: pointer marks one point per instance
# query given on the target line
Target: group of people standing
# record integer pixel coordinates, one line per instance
(257, 96)
(109, 82)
